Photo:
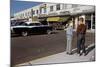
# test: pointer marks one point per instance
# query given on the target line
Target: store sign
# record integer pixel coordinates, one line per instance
(89, 10)
(76, 9)
(79, 10)
(53, 14)
(42, 15)
(64, 13)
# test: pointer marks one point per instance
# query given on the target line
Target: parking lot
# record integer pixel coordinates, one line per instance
(24, 49)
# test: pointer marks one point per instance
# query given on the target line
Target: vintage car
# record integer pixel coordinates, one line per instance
(26, 28)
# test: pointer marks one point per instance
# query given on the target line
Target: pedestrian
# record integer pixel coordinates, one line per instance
(81, 31)
(69, 36)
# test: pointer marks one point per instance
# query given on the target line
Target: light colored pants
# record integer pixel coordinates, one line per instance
(69, 44)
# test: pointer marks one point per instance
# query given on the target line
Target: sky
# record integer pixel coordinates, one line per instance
(17, 6)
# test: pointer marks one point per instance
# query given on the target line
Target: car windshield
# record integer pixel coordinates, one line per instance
(20, 24)
(34, 24)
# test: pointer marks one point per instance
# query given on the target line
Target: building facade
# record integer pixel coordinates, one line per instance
(57, 13)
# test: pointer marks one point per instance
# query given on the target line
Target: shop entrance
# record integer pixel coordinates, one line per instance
(88, 23)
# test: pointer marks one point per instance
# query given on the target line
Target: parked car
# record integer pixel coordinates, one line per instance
(26, 28)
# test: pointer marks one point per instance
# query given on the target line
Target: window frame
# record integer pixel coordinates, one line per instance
(51, 8)
(58, 7)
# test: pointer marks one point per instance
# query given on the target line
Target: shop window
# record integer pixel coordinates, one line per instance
(88, 21)
(88, 17)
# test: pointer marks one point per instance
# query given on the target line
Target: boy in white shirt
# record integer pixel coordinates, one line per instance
(69, 35)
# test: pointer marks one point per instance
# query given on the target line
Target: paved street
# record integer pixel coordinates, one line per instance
(62, 58)
(24, 49)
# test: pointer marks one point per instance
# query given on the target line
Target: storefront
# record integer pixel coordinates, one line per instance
(57, 22)
(89, 20)
(43, 20)
(88, 15)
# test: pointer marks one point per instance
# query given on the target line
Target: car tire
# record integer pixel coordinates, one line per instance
(24, 33)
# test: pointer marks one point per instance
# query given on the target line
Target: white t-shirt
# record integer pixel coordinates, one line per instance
(69, 30)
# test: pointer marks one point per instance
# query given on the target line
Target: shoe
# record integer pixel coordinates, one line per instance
(67, 53)
(84, 54)
(70, 53)
(80, 54)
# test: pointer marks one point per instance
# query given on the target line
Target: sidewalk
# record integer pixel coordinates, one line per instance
(90, 31)
(62, 58)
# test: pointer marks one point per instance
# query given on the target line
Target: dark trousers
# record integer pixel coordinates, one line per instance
(81, 43)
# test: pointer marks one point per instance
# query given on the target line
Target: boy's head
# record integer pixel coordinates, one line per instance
(81, 20)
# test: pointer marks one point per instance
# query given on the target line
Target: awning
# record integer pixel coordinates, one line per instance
(57, 19)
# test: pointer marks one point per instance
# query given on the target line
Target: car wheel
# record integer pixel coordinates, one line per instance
(24, 33)
(48, 31)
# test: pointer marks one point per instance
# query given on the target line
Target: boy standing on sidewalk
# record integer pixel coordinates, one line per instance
(81, 31)
(69, 34)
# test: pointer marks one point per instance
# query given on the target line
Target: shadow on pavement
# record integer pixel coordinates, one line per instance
(87, 51)
(90, 49)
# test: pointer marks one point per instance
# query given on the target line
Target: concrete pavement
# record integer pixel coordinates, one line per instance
(63, 58)
(25, 49)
